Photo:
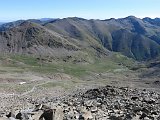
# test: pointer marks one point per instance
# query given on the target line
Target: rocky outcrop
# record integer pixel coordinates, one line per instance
(104, 103)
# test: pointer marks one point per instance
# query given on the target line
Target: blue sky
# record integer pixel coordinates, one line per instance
(96, 9)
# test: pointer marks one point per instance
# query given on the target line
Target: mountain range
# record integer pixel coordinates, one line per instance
(81, 38)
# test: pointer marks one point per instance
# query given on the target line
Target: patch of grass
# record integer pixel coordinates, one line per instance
(123, 60)
(4, 85)
(22, 88)
(30, 63)
(79, 70)
(27, 60)
(2, 71)
(66, 85)
(50, 85)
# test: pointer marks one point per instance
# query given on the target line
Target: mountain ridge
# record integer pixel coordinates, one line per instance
(133, 37)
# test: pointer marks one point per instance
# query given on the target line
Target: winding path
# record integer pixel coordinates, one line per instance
(25, 93)
(33, 88)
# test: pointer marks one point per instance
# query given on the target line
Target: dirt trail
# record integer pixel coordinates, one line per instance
(33, 88)
(32, 79)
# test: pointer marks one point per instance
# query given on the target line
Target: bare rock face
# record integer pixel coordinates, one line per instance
(104, 103)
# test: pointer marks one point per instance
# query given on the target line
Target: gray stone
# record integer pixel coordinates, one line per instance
(58, 113)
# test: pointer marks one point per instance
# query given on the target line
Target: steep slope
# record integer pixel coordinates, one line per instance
(76, 28)
(155, 21)
(6, 26)
(9, 25)
(31, 38)
(131, 36)
(80, 32)
(135, 38)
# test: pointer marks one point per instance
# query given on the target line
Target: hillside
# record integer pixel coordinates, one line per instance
(33, 39)
(131, 36)
(52, 61)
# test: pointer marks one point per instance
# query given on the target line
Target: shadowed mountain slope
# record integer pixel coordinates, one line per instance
(32, 38)
(131, 36)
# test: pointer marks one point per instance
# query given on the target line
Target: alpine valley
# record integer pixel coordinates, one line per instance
(80, 69)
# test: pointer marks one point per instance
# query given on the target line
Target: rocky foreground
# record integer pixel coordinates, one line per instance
(103, 103)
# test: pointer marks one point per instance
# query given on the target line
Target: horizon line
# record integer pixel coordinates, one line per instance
(6, 21)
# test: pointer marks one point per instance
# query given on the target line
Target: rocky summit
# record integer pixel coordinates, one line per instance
(102, 103)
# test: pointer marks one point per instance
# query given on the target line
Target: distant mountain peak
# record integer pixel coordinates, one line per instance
(45, 19)
(75, 18)
(111, 19)
(132, 17)
(131, 36)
